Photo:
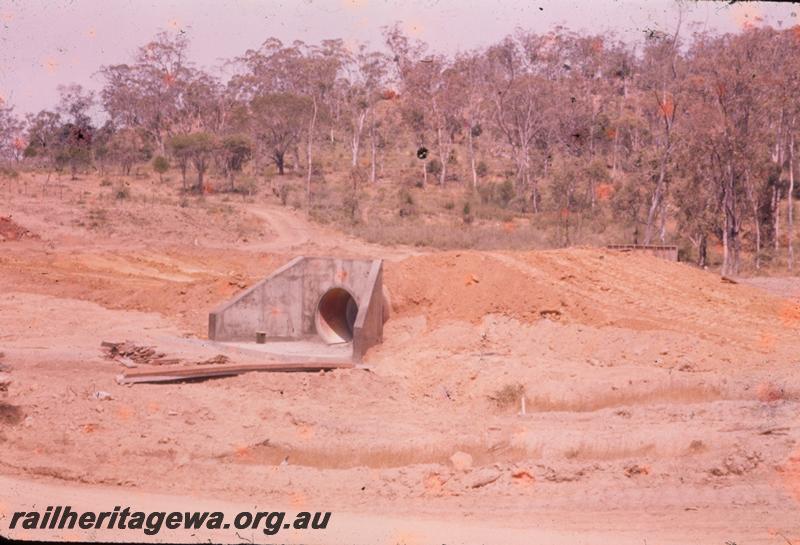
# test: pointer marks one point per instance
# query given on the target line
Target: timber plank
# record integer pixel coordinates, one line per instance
(174, 373)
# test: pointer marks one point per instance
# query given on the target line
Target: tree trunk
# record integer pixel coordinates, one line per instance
(751, 196)
(776, 214)
(280, 161)
(358, 126)
(442, 156)
(200, 172)
(471, 148)
(777, 158)
(311, 128)
(373, 154)
(725, 247)
(757, 228)
(296, 162)
(655, 201)
(790, 201)
(730, 236)
(702, 251)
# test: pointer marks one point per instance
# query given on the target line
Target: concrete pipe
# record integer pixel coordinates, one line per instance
(336, 316)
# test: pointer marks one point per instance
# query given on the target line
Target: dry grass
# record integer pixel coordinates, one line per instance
(381, 456)
(507, 396)
(451, 235)
(594, 451)
(670, 393)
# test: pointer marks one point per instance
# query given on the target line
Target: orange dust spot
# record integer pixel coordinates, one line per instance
(721, 89)
(746, 15)
(666, 106)
(90, 428)
(153, 407)
(414, 28)
(767, 392)
(298, 500)
(91, 33)
(790, 474)
(124, 412)
(471, 279)
(50, 65)
(766, 341)
(404, 537)
(243, 452)
(433, 484)
(789, 314)
(523, 477)
(275, 311)
(611, 133)
(305, 431)
(603, 192)
(509, 227)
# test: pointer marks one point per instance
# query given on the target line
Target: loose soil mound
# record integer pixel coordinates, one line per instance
(588, 286)
(10, 230)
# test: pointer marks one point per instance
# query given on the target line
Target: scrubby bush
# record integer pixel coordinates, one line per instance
(466, 213)
(160, 166)
(8, 172)
(407, 205)
(434, 167)
(122, 191)
(502, 194)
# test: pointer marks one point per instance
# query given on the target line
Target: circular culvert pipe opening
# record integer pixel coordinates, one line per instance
(336, 316)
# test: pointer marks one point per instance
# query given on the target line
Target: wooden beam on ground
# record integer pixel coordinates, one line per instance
(175, 373)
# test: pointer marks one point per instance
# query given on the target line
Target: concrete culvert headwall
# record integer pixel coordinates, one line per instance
(336, 316)
(336, 300)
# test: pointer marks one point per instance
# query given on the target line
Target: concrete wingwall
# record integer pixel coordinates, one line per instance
(368, 329)
(284, 303)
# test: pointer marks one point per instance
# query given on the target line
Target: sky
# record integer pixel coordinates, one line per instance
(45, 43)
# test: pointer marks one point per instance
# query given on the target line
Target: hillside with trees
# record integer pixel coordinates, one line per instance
(548, 140)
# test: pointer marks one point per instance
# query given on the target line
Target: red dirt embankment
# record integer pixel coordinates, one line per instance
(587, 286)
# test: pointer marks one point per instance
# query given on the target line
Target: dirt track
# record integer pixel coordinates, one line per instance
(661, 402)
